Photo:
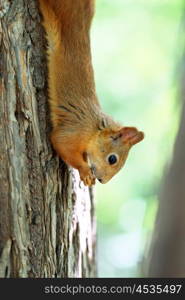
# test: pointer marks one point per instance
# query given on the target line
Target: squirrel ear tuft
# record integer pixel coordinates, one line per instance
(131, 136)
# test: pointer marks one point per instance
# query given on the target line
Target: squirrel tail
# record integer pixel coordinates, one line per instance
(51, 24)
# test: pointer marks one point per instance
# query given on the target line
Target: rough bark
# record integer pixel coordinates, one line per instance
(47, 226)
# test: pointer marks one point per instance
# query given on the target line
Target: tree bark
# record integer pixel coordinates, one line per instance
(47, 224)
(168, 246)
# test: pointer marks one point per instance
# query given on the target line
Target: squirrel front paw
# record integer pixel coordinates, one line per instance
(87, 176)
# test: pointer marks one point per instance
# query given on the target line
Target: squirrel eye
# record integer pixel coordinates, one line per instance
(112, 159)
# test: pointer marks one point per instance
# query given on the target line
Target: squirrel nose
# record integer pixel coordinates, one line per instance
(100, 180)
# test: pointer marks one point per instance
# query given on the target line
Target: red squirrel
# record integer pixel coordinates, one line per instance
(82, 135)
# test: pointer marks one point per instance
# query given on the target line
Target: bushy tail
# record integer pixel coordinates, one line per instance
(51, 24)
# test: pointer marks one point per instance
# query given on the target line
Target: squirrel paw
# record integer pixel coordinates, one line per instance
(87, 177)
(89, 180)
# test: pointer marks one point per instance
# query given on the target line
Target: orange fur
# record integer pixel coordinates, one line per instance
(82, 134)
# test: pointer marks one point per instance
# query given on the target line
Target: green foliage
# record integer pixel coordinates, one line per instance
(135, 52)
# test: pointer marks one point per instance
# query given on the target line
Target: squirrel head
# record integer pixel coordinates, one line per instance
(109, 151)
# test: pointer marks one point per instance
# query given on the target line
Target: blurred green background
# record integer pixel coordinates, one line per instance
(136, 47)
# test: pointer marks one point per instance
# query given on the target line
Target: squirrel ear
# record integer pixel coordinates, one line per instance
(130, 135)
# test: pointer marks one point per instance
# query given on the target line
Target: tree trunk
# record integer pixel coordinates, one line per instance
(168, 246)
(47, 226)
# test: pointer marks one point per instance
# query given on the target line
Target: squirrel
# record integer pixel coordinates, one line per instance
(82, 135)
